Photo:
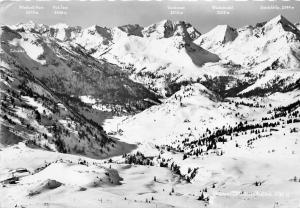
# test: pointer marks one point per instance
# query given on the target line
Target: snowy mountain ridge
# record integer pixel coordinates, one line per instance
(157, 116)
(164, 55)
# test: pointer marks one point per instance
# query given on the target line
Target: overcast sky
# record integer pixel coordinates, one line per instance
(115, 13)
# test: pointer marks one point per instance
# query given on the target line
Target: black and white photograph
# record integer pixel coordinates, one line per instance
(150, 104)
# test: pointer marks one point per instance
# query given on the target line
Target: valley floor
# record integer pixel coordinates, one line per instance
(266, 175)
(217, 120)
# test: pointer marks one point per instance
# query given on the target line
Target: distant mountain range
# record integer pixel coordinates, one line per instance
(60, 82)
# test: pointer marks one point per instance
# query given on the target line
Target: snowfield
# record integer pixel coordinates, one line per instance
(183, 110)
(33, 49)
(110, 184)
(150, 117)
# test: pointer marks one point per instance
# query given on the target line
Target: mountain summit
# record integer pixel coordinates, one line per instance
(168, 28)
(221, 34)
(281, 22)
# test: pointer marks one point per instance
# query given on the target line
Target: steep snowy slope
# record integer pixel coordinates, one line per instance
(174, 59)
(168, 54)
(219, 35)
(38, 114)
(254, 45)
(95, 38)
(71, 72)
(155, 55)
(227, 134)
(31, 113)
(269, 54)
(272, 47)
(164, 54)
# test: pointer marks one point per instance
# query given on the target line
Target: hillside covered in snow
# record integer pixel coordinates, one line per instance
(156, 116)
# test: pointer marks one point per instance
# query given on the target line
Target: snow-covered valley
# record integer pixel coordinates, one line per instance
(158, 116)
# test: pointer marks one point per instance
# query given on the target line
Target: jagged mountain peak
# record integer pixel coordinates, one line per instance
(132, 29)
(100, 30)
(107, 32)
(25, 25)
(97, 27)
(260, 24)
(96, 33)
(224, 33)
(282, 23)
(277, 19)
(220, 34)
(169, 28)
(60, 26)
(30, 23)
(162, 29)
(30, 26)
(63, 31)
(164, 23)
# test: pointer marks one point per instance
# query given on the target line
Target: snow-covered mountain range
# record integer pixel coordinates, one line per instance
(190, 118)
(166, 54)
